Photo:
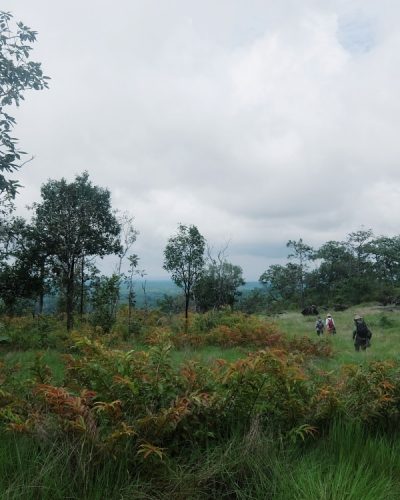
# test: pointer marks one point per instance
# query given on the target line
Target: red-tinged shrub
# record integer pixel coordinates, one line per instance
(309, 347)
(270, 385)
(224, 336)
(225, 330)
(371, 393)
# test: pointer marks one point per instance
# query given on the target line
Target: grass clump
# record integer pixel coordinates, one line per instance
(348, 462)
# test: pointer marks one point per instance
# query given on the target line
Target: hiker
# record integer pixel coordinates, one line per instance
(319, 326)
(330, 325)
(361, 334)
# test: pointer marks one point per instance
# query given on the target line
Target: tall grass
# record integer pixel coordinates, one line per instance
(30, 471)
(347, 463)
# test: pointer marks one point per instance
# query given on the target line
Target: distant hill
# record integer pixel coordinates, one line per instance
(154, 289)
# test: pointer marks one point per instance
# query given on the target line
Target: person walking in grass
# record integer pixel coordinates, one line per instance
(361, 334)
(319, 326)
(330, 325)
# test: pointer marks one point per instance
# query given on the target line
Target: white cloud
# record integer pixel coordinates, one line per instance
(258, 122)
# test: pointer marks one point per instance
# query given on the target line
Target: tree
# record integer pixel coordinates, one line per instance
(18, 281)
(282, 282)
(19, 272)
(362, 280)
(17, 74)
(254, 301)
(104, 291)
(218, 284)
(128, 235)
(129, 281)
(302, 253)
(386, 253)
(184, 259)
(333, 276)
(76, 221)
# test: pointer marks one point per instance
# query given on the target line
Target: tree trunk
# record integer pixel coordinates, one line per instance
(82, 287)
(187, 298)
(41, 294)
(70, 298)
(41, 302)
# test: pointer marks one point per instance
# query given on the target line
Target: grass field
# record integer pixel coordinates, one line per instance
(344, 458)
(384, 323)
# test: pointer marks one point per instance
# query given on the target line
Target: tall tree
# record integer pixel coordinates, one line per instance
(334, 272)
(303, 253)
(17, 74)
(184, 259)
(77, 221)
(362, 279)
(128, 235)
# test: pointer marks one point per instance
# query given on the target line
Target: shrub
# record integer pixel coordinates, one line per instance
(371, 393)
(40, 332)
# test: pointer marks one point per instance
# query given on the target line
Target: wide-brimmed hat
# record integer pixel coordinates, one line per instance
(329, 316)
(357, 316)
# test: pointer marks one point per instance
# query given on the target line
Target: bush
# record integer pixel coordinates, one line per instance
(26, 332)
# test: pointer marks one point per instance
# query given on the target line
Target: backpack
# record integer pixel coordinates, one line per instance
(319, 325)
(362, 330)
(331, 325)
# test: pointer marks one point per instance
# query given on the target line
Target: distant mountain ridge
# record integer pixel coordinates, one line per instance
(154, 290)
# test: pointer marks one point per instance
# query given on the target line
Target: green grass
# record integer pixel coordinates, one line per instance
(31, 470)
(384, 323)
(208, 354)
(348, 464)
(25, 360)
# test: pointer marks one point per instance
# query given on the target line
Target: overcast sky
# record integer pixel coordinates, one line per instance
(257, 121)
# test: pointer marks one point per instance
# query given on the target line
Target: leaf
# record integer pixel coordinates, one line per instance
(149, 450)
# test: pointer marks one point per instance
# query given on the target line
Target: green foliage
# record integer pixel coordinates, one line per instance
(254, 301)
(17, 75)
(371, 393)
(219, 328)
(184, 259)
(76, 221)
(40, 332)
(202, 428)
(105, 291)
(197, 429)
(18, 282)
(361, 268)
(170, 304)
(282, 282)
(218, 284)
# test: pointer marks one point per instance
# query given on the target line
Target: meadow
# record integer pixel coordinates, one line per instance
(240, 406)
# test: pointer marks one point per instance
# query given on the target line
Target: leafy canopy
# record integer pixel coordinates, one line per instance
(17, 74)
(184, 256)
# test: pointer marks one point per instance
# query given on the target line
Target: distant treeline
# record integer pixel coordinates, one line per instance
(360, 268)
(49, 264)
